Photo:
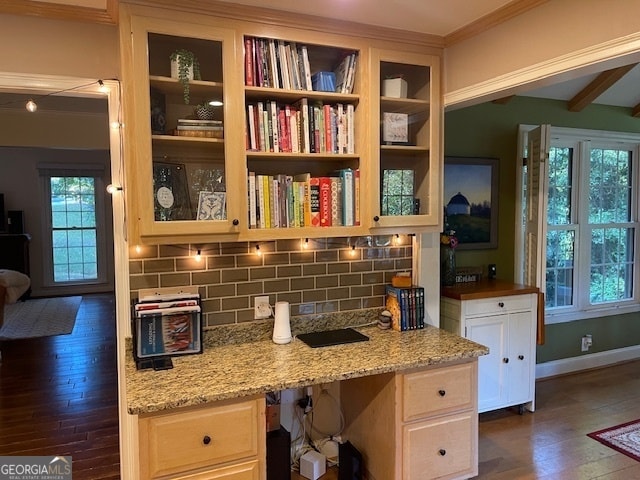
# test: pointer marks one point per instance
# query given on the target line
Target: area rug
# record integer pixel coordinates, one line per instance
(624, 438)
(40, 317)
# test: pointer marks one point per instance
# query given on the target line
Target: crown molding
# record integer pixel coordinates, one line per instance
(108, 15)
(503, 14)
(271, 17)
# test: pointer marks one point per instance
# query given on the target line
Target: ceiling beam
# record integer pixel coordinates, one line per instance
(597, 87)
(636, 111)
(503, 100)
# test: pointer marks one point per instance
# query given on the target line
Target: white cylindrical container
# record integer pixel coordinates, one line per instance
(281, 325)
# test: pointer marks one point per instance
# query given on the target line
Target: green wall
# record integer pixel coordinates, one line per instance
(490, 130)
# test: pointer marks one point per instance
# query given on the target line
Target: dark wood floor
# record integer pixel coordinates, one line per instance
(58, 395)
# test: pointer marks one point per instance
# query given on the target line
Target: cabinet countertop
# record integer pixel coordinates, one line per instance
(485, 289)
(239, 370)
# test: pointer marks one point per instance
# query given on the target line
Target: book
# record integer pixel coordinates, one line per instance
(314, 201)
(305, 179)
(347, 196)
(325, 201)
(249, 66)
(252, 200)
(307, 68)
(336, 202)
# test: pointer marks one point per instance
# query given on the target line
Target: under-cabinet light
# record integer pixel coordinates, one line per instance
(31, 106)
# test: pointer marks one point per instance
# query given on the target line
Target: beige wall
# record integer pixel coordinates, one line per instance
(574, 33)
(56, 47)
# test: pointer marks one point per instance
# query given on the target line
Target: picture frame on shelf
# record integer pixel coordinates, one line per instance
(395, 128)
(470, 201)
(211, 206)
(174, 204)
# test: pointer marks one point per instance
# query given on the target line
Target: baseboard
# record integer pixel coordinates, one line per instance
(585, 362)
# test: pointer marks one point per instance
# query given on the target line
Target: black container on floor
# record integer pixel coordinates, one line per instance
(278, 454)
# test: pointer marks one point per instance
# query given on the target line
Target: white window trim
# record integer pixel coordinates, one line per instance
(48, 170)
(599, 139)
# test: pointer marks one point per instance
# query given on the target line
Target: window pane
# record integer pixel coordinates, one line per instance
(560, 265)
(609, 186)
(397, 192)
(74, 235)
(611, 264)
(560, 172)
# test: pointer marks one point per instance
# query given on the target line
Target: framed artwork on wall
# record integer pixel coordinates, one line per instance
(471, 201)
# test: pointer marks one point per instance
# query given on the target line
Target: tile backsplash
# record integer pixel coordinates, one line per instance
(315, 276)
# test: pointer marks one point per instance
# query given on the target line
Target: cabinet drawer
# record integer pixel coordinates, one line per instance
(499, 305)
(442, 448)
(178, 442)
(243, 471)
(438, 391)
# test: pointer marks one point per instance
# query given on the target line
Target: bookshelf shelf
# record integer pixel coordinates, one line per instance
(260, 93)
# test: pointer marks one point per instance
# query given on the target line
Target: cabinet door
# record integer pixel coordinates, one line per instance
(491, 332)
(520, 358)
(181, 179)
(406, 164)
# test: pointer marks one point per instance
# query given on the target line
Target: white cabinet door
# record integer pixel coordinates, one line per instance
(519, 367)
(490, 332)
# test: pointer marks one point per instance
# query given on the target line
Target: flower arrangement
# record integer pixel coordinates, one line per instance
(449, 238)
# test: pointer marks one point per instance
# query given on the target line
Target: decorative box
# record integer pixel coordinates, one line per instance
(394, 87)
(323, 82)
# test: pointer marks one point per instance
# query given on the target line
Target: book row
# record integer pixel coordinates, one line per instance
(273, 63)
(302, 127)
(287, 201)
(406, 306)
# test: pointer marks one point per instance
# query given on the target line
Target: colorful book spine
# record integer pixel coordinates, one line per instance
(325, 201)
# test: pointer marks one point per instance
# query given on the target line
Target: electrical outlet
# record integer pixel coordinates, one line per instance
(587, 342)
(261, 307)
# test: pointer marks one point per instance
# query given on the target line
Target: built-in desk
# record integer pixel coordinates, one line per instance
(229, 382)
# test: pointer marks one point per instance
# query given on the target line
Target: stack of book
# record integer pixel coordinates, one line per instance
(286, 201)
(167, 325)
(406, 305)
(199, 128)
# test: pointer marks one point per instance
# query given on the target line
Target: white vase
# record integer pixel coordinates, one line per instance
(174, 69)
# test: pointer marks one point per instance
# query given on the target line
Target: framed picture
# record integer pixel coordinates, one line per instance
(211, 206)
(171, 192)
(471, 201)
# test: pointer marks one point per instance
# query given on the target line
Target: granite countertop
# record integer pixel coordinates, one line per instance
(235, 370)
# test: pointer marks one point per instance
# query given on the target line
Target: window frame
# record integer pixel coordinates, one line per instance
(582, 141)
(97, 173)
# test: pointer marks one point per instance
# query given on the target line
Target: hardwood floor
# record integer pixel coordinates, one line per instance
(59, 396)
(552, 443)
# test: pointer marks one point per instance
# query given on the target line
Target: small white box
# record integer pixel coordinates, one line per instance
(394, 87)
(313, 465)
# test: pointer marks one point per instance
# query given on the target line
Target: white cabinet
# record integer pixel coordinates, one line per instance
(507, 325)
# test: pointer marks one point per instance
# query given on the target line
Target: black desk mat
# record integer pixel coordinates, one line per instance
(332, 337)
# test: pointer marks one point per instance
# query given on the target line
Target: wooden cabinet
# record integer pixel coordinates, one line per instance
(186, 184)
(421, 424)
(406, 162)
(184, 170)
(507, 325)
(225, 440)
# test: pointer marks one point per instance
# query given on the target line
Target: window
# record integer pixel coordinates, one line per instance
(74, 236)
(73, 229)
(591, 223)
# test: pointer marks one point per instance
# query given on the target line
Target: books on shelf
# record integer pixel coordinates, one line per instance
(302, 200)
(282, 64)
(406, 305)
(199, 128)
(301, 127)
